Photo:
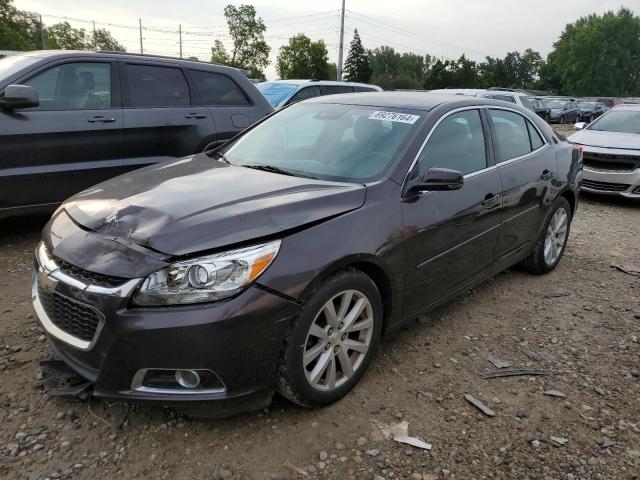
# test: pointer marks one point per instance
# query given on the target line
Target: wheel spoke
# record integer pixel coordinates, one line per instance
(355, 345)
(330, 314)
(355, 312)
(561, 223)
(330, 379)
(320, 367)
(363, 325)
(317, 331)
(345, 301)
(345, 362)
(311, 354)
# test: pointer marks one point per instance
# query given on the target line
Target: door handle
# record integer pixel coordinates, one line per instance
(490, 200)
(546, 175)
(196, 115)
(101, 119)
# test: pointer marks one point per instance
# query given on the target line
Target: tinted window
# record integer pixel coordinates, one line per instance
(73, 86)
(304, 93)
(511, 134)
(504, 98)
(364, 89)
(217, 89)
(536, 139)
(456, 143)
(157, 86)
(331, 89)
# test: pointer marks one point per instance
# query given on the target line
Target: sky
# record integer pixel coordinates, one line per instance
(441, 28)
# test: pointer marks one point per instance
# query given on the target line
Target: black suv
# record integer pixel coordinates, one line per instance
(69, 120)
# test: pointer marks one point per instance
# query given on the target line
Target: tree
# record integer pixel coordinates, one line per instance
(18, 30)
(219, 53)
(103, 40)
(599, 55)
(356, 67)
(250, 51)
(62, 36)
(302, 58)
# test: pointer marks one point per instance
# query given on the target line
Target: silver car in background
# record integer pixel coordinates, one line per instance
(611, 152)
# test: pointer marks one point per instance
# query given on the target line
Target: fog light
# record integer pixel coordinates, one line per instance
(188, 378)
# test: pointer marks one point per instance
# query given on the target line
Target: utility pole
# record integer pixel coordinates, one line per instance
(41, 34)
(95, 44)
(180, 37)
(140, 23)
(341, 48)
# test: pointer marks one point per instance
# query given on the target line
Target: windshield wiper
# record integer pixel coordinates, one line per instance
(271, 168)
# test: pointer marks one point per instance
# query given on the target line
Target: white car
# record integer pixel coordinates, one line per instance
(611, 152)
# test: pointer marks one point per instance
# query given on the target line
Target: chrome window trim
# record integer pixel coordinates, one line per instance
(435, 125)
(137, 386)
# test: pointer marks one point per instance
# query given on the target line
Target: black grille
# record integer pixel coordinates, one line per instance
(606, 161)
(90, 278)
(73, 317)
(604, 186)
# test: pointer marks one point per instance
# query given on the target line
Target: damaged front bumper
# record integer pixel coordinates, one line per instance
(94, 329)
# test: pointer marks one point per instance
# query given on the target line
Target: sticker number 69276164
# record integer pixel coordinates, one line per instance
(394, 117)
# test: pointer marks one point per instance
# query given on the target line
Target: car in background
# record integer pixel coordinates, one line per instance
(562, 110)
(69, 120)
(537, 106)
(511, 96)
(589, 111)
(611, 152)
(280, 93)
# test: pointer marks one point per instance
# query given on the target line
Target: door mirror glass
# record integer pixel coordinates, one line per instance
(19, 96)
(580, 125)
(438, 179)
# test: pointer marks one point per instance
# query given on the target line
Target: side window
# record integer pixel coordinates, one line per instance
(73, 86)
(304, 93)
(456, 143)
(536, 140)
(217, 89)
(151, 86)
(504, 98)
(511, 135)
(364, 89)
(333, 89)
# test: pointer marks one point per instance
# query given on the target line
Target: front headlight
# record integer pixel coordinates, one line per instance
(206, 279)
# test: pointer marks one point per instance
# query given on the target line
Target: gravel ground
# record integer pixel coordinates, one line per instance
(581, 323)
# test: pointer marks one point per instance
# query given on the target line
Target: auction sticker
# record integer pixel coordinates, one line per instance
(394, 117)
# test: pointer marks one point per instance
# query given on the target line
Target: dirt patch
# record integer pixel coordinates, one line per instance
(581, 323)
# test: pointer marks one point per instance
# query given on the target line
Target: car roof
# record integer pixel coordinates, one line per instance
(424, 101)
(628, 106)
(303, 81)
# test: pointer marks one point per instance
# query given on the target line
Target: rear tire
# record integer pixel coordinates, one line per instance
(550, 245)
(332, 341)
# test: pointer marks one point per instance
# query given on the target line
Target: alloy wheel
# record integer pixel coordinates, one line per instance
(338, 340)
(556, 236)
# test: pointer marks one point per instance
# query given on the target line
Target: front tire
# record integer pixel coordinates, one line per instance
(550, 245)
(332, 341)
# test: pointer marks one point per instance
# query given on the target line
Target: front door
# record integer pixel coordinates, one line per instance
(160, 121)
(71, 141)
(452, 234)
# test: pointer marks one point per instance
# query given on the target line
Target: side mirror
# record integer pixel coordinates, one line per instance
(580, 125)
(19, 96)
(438, 179)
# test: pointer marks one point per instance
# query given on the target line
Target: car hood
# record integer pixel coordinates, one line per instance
(595, 138)
(197, 203)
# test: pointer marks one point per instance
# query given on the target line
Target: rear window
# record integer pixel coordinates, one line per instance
(217, 89)
(151, 86)
(276, 92)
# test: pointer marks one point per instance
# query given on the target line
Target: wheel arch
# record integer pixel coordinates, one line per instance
(572, 198)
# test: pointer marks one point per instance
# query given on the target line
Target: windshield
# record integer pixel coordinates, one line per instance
(14, 63)
(276, 92)
(559, 104)
(587, 105)
(327, 141)
(623, 121)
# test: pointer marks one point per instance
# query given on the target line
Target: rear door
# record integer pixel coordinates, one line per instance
(228, 104)
(160, 120)
(453, 234)
(527, 165)
(71, 141)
